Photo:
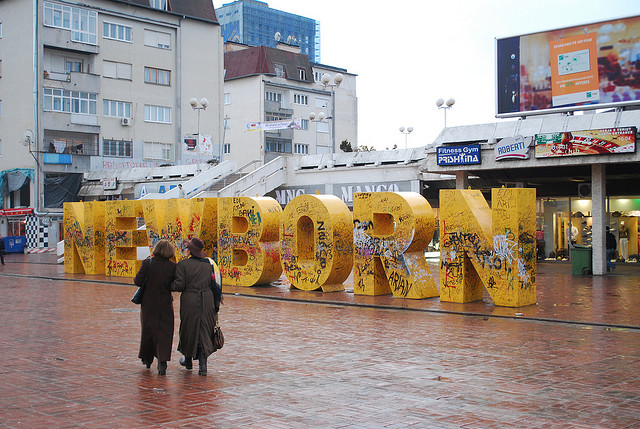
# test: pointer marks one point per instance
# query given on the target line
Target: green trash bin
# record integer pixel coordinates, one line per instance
(581, 260)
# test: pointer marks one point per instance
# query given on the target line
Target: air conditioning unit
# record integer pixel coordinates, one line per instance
(584, 190)
(126, 122)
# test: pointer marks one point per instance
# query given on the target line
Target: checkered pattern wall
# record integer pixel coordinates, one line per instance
(37, 234)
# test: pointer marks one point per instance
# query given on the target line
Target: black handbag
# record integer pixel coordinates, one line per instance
(137, 297)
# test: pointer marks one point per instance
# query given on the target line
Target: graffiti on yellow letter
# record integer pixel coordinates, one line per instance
(248, 247)
(391, 232)
(491, 248)
(317, 242)
(84, 238)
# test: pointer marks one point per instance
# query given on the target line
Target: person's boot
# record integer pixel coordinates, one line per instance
(162, 368)
(202, 362)
(187, 362)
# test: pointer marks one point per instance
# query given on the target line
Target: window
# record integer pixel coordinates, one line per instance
(1, 147)
(277, 145)
(157, 76)
(301, 99)
(227, 98)
(116, 70)
(276, 116)
(156, 151)
(302, 74)
(318, 76)
(158, 4)
(59, 100)
(279, 69)
(0, 29)
(302, 149)
(82, 23)
(114, 31)
(226, 148)
(157, 114)
(120, 148)
(117, 109)
(273, 96)
(227, 123)
(73, 66)
(304, 125)
(157, 39)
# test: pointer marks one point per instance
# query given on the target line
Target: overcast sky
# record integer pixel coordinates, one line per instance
(409, 53)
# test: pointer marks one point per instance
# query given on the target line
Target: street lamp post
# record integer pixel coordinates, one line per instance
(406, 132)
(198, 106)
(449, 104)
(326, 82)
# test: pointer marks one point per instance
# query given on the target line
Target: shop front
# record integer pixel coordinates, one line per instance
(585, 170)
(13, 228)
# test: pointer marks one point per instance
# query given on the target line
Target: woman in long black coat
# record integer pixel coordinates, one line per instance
(198, 313)
(156, 313)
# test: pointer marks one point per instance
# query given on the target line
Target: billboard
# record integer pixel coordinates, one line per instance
(588, 142)
(582, 67)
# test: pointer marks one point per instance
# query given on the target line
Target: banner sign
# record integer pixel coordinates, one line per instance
(458, 155)
(591, 142)
(569, 68)
(274, 125)
(513, 147)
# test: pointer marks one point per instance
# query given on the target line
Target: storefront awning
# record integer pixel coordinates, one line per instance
(97, 190)
(16, 212)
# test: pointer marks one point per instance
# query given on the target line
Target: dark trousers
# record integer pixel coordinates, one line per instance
(2, 256)
(609, 257)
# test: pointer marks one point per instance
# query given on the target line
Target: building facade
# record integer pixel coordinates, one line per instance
(265, 85)
(97, 85)
(254, 23)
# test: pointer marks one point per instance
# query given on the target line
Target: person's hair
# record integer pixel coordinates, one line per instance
(164, 248)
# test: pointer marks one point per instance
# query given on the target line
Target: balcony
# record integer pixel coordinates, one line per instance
(61, 39)
(87, 82)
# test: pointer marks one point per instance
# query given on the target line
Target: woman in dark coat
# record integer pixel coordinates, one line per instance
(198, 315)
(156, 313)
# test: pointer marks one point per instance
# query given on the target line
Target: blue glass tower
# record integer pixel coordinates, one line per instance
(254, 23)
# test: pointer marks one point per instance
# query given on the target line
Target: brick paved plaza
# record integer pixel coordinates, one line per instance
(298, 359)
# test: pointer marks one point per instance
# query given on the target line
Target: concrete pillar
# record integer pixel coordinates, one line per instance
(462, 180)
(598, 211)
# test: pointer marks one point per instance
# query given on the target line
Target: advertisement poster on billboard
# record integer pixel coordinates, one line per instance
(590, 142)
(574, 70)
(581, 67)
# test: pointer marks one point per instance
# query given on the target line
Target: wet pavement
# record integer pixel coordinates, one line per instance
(296, 359)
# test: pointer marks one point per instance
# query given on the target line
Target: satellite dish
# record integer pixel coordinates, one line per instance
(236, 38)
(26, 138)
(289, 39)
(277, 36)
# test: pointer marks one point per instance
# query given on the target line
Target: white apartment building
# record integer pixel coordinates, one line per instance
(101, 84)
(265, 85)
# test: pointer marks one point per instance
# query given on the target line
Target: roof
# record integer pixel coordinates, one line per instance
(261, 59)
(197, 9)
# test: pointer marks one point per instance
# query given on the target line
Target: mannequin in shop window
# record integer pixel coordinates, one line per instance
(623, 235)
(574, 233)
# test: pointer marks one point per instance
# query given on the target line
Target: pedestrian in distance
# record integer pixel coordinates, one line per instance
(2, 249)
(156, 312)
(199, 305)
(180, 191)
(610, 247)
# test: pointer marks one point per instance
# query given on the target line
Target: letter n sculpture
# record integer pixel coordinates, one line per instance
(494, 248)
